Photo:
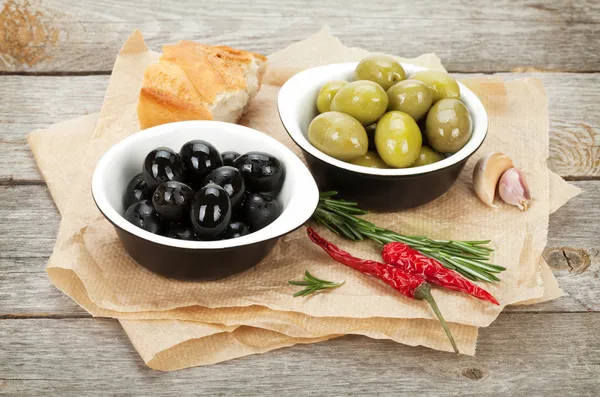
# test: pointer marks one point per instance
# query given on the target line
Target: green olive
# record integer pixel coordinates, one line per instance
(371, 160)
(441, 83)
(363, 100)
(398, 139)
(338, 135)
(327, 93)
(381, 69)
(427, 156)
(410, 96)
(448, 126)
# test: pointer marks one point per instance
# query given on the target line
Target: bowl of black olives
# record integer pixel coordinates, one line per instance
(202, 200)
(389, 135)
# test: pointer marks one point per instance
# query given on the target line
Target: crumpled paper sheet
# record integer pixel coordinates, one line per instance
(127, 54)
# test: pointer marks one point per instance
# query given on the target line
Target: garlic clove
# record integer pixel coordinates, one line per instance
(513, 189)
(487, 173)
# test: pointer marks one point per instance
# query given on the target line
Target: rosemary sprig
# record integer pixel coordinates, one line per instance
(313, 284)
(469, 258)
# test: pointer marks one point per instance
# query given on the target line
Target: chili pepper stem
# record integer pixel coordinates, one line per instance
(423, 292)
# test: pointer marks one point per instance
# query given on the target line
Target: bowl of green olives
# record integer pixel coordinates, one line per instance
(389, 135)
(202, 200)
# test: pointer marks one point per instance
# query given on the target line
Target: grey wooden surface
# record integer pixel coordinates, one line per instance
(55, 57)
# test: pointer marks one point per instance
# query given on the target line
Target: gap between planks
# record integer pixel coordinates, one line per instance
(20, 182)
(50, 316)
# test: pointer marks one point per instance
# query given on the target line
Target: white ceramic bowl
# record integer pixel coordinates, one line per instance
(379, 189)
(200, 259)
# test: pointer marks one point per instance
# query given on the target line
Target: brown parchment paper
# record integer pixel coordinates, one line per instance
(153, 339)
(127, 61)
(88, 244)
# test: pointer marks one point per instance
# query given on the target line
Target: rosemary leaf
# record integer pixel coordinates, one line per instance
(313, 284)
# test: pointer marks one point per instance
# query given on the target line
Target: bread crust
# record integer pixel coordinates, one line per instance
(190, 80)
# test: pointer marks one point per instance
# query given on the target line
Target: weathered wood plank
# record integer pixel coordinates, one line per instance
(82, 36)
(554, 352)
(26, 291)
(29, 222)
(31, 102)
(32, 222)
(38, 102)
(574, 119)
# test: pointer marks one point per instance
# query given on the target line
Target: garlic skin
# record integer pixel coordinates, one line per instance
(487, 173)
(513, 189)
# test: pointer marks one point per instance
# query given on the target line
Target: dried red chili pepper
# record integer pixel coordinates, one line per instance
(407, 284)
(412, 261)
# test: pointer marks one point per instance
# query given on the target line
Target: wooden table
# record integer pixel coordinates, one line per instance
(55, 61)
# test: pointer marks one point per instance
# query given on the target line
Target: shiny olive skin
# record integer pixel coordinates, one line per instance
(371, 160)
(199, 158)
(326, 94)
(412, 97)
(381, 69)
(161, 165)
(235, 230)
(398, 139)
(137, 190)
(260, 210)
(230, 179)
(427, 156)
(338, 135)
(262, 172)
(180, 231)
(229, 157)
(211, 212)
(143, 215)
(448, 126)
(441, 83)
(364, 100)
(172, 200)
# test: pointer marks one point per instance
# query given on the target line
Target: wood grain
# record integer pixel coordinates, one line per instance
(39, 101)
(26, 291)
(32, 222)
(519, 354)
(574, 122)
(84, 36)
(28, 222)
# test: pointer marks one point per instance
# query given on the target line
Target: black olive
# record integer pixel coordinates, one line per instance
(142, 214)
(235, 229)
(137, 190)
(211, 212)
(229, 157)
(199, 158)
(262, 172)
(172, 200)
(180, 231)
(230, 179)
(259, 210)
(161, 165)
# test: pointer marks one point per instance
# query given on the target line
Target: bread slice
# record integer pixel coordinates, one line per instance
(194, 81)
